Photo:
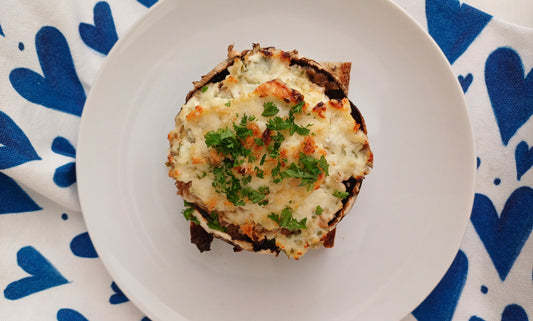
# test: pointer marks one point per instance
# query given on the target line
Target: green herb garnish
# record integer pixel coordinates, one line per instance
(285, 220)
(215, 224)
(188, 213)
(341, 194)
(228, 103)
(308, 170)
(270, 109)
(227, 142)
(319, 210)
(256, 196)
(259, 141)
(204, 89)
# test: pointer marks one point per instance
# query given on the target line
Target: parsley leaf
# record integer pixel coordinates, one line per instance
(270, 109)
(323, 163)
(308, 170)
(285, 220)
(188, 213)
(226, 141)
(259, 172)
(297, 109)
(341, 194)
(226, 183)
(278, 123)
(259, 141)
(204, 89)
(319, 210)
(228, 103)
(215, 224)
(256, 196)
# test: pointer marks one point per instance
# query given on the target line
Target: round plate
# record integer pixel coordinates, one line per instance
(390, 251)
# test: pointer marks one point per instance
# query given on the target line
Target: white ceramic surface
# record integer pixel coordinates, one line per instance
(390, 251)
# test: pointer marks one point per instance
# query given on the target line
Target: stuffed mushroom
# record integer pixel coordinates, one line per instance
(268, 152)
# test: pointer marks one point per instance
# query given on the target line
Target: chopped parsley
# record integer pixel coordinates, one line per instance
(285, 220)
(188, 213)
(204, 89)
(259, 172)
(273, 150)
(214, 223)
(278, 123)
(341, 194)
(308, 170)
(270, 109)
(228, 103)
(231, 142)
(259, 141)
(256, 196)
(227, 183)
(227, 142)
(319, 210)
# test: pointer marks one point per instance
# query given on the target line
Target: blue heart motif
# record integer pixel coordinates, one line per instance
(60, 88)
(504, 236)
(82, 246)
(103, 35)
(511, 94)
(441, 303)
(524, 159)
(70, 315)
(13, 199)
(465, 81)
(2, 32)
(118, 297)
(475, 318)
(43, 275)
(514, 312)
(147, 3)
(65, 175)
(454, 26)
(146, 319)
(17, 148)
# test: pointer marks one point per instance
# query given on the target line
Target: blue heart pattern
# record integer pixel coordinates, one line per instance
(102, 35)
(43, 275)
(70, 315)
(511, 94)
(82, 246)
(59, 88)
(147, 3)
(118, 297)
(13, 199)
(524, 159)
(16, 149)
(465, 81)
(441, 303)
(454, 26)
(514, 312)
(475, 318)
(65, 175)
(504, 236)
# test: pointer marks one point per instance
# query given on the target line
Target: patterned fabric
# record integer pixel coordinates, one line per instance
(50, 52)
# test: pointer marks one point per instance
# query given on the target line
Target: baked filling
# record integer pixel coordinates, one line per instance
(264, 158)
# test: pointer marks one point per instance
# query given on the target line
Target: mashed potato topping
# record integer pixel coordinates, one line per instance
(267, 151)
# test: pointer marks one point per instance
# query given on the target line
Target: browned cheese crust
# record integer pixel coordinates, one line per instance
(335, 78)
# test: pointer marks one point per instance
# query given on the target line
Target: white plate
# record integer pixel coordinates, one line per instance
(405, 228)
